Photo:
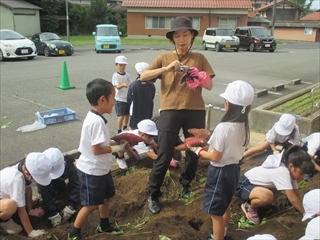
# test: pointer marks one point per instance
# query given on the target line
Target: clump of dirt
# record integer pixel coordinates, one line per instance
(179, 219)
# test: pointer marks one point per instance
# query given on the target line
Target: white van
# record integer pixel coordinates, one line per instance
(220, 39)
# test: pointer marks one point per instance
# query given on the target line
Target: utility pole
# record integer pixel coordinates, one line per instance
(273, 17)
(67, 16)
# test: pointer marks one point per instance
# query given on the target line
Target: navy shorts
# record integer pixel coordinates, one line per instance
(220, 187)
(122, 108)
(244, 188)
(94, 189)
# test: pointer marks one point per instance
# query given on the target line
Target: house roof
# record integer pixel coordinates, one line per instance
(270, 5)
(14, 4)
(315, 16)
(229, 4)
(308, 24)
(258, 19)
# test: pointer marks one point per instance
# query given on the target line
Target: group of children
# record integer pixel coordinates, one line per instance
(90, 177)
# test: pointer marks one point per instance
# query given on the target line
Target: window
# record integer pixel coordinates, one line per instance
(228, 23)
(165, 22)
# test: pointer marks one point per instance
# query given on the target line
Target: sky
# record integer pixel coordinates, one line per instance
(315, 5)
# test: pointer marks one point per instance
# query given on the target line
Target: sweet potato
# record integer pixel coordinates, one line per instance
(195, 141)
(182, 147)
(130, 137)
(131, 152)
(200, 133)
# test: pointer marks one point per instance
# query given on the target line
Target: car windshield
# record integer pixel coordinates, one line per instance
(260, 32)
(10, 35)
(107, 31)
(225, 32)
(49, 36)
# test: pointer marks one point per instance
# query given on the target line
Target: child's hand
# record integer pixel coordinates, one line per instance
(37, 212)
(196, 150)
(37, 233)
(276, 152)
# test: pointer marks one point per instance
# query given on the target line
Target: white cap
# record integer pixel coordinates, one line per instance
(141, 66)
(39, 167)
(57, 160)
(148, 127)
(239, 93)
(121, 60)
(262, 237)
(312, 230)
(285, 125)
(311, 203)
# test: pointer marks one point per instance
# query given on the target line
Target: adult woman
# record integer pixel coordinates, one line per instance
(181, 106)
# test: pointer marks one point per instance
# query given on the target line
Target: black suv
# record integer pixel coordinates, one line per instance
(255, 38)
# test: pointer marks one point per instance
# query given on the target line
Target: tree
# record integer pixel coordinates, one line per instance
(99, 12)
(78, 19)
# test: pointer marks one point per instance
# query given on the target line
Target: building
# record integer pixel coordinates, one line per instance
(20, 16)
(147, 18)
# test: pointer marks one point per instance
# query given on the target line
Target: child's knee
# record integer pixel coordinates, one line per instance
(267, 197)
(8, 208)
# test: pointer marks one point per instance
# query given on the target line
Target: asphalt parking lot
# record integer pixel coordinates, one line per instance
(28, 86)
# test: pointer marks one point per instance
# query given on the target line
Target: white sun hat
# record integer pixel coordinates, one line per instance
(147, 126)
(262, 237)
(312, 230)
(311, 203)
(239, 93)
(285, 125)
(121, 60)
(57, 159)
(39, 167)
(141, 66)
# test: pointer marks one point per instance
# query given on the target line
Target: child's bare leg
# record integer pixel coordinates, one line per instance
(104, 209)
(83, 215)
(7, 208)
(126, 120)
(218, 227)
(256, 149)
(226, 217)
(260, 196)
(120, 122)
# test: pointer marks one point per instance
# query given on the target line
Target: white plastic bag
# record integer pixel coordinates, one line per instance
(31, 127)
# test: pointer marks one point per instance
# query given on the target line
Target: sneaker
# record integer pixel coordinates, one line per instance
(11, 227)
(122, 163)
(185, 191)
(55, 220)
(110, 229)
(77, 237)
(173, 163)
(67, 213)
(251, 213)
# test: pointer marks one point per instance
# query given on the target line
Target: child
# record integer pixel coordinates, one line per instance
(121, 80)
(312, 230)
(96, 184)
(312, 144)
(262, 237)
(147, 129)
(34, 169)
(284, 132)
(226, 146)
(311, 204)
(257, 185)
(140, 97)
(69, 171)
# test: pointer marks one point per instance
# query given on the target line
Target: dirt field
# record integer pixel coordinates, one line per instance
(178, 220)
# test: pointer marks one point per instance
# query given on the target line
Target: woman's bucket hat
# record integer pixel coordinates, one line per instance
(180, 23)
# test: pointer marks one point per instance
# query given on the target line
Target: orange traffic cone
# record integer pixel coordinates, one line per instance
(64, 83)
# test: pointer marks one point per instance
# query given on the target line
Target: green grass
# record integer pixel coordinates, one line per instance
(300, 106)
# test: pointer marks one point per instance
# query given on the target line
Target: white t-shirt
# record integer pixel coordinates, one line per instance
(141, 147)
(94, 131)
(118, 79)
(272, 136)
(272, 178)
(228, 138)
(13, 185)
(313, 143)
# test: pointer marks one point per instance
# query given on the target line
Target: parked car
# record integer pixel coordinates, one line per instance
(48, 43)
(220, 39)
(14, 45)
(107, 38)
(255, 38)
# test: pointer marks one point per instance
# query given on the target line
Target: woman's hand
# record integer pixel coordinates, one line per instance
(172, 66)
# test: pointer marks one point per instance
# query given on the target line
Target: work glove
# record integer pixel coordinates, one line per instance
(37, 212)
(55, 220)
(118, 148)
(67, 213)
(276, 152)
(37, 233)
(196, 150)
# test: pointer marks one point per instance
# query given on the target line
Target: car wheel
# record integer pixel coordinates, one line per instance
(46, 51)
(251, 47)
(236, 50)
(1, 56)
(30, 58)
(119, 51)
(97, 50)
(69, 54)
(204, 46)
(217, 47)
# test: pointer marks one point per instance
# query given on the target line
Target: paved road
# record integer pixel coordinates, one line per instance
(29, 86)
